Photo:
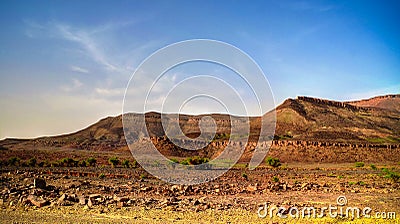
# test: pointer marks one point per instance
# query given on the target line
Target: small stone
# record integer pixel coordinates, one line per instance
(90, 203)
(123, 199)
(120, 204)
(94, 196)
(145, 189)
(82, 200)
(175, 188)
(251, 188)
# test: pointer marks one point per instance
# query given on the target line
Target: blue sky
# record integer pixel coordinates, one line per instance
(65, 64)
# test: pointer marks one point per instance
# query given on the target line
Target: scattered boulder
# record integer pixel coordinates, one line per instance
(36, 201)
(251, 188)
(82, 200)
(39, 183)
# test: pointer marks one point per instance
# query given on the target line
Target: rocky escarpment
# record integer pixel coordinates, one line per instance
(331, 103)
(387, 102)
(291, 151)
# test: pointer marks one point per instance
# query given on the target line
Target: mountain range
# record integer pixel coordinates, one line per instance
(375, 121)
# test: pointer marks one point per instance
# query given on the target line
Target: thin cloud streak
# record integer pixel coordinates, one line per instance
(88, 43)
(79, 69)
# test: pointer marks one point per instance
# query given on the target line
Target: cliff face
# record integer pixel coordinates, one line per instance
(313, 119)
(332, 103)
(387, 102)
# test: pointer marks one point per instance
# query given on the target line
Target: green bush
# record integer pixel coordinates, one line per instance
(359, 164)
(185, 162)
(114, 161)
(173, 162)
(83, 163)
(68, 162)
(244, 175)
(196, 160)
(13, 161)
(91, 161)
(31, 162)
(102, 175)
(222, 136)
(275, 179)
(373, 167)
(126, 163)
(391, 174)
(274, 162)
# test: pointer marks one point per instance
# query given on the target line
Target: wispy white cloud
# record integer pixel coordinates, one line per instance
(89, 39)
(88, 42)
(79, 69)
(75, 85)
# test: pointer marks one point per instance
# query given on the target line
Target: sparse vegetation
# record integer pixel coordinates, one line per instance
(275, 179)
(31, 162)
(83, 163)
(391, 174)
(13, 161)
(173, 162)
(91, 161)
(102, 175)
(184, 162)
(114, 161)
(68, 162)
(286, 136)
(274, 162)
(222, 136)
(244, 175)
(134, 164)
(379, 140)
(196, 160)
(126, 163)
(359, 164)
(331, 175)
(361, 183)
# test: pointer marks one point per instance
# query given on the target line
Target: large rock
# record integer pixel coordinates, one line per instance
(39, 183)
(38, 202)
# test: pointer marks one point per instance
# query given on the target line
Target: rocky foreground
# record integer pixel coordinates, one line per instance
(111, 190)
